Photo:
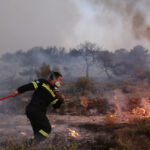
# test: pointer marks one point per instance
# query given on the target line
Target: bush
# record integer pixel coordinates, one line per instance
(83, 85)
(44, 71)
(144, 74)
(136, 137)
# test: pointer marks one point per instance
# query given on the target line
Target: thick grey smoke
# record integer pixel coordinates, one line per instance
(141, 28)
(112, 24)
(29, 23)
(125, 22)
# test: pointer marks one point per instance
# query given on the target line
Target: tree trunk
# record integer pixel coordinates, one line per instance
(87, 71)
(108, 75)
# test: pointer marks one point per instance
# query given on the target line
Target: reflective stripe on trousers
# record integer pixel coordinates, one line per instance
(43, 133)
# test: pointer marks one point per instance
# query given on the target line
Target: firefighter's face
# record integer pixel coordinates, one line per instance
(58, 81)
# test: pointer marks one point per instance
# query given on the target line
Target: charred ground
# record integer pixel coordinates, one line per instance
(107, 102)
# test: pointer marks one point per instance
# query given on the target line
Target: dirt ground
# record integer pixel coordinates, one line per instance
(18, 129)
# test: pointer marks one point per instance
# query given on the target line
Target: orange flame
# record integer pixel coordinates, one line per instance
(110, 118)
(23, 133)
(53, 126)
(138, 111)
(73, 133)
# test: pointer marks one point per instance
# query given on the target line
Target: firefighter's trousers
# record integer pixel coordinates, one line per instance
(39, 122)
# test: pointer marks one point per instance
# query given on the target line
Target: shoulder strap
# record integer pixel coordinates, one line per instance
(50, 90)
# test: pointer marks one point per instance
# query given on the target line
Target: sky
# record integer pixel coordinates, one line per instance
(111, 24)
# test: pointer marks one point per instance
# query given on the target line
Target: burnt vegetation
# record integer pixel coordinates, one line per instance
(91, 76)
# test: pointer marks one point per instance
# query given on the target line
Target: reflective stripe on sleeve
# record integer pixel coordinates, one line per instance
(45, 86)
(35, 85)
(43, 133)
(54, 101)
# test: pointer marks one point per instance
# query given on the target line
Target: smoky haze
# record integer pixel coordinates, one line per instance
(29, 23)
(121, 23)
(112, 24)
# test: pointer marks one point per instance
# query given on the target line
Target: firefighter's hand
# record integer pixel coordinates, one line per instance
(61, 95)
(57, 110)
(15, 93)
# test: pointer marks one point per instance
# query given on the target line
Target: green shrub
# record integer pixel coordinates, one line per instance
(83, 85)
(44, 71)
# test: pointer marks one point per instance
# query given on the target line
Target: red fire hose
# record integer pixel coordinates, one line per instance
(11, 95)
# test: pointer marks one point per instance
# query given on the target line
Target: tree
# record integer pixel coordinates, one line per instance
(75, 53)
(105, 60)
(130, 63)
(44, 71)
(83, 84)
(121, 67)
(88, 51)
(138, 57)
(56, 68)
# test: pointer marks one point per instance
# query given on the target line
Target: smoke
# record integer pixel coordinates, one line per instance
(112, 24)
(141, 28)
(145, 103)
(118, 101)
(26, 24)
(124, 23)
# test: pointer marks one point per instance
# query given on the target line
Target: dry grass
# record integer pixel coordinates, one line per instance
(134, 138)
(22, 146)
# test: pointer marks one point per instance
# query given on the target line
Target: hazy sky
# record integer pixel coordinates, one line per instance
(112, 24)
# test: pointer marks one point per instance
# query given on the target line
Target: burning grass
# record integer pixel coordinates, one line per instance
(115, 121)
(134, 135)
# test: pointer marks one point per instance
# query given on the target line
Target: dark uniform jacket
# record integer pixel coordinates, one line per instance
(43, 95)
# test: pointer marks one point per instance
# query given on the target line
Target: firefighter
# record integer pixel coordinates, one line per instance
(45, 92)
